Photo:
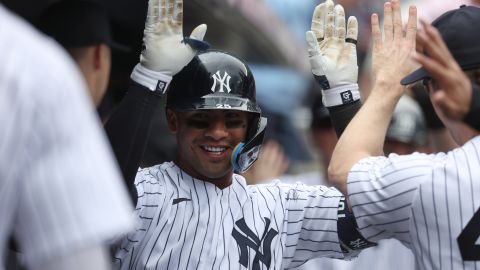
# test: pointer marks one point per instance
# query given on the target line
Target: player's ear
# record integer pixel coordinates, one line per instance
(172, 120)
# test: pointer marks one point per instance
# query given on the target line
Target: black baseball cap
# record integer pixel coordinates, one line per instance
(78, 24)
(459, 30)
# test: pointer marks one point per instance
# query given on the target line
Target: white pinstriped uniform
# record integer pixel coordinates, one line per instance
(425, 201)
(388, 254)
(185, 223)
(59, 188)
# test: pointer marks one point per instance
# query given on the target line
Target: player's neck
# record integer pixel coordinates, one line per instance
(220, 182)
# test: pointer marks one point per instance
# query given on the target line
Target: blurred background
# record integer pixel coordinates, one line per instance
(269, 35)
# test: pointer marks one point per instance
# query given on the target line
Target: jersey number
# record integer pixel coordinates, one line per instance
(467, 238)
(223, 106)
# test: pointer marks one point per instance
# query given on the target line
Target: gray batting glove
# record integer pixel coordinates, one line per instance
(165, 51)
(333, 54)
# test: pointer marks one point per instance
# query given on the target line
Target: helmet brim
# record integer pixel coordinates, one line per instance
(217, 102)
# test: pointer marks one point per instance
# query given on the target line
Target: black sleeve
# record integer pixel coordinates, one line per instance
(472, 118)
(349, 236)
(342, 115)
(128, 129)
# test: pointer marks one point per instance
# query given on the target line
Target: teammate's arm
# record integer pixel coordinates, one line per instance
(166, 51)
(333, 57)
(317, 223)
(365, 134)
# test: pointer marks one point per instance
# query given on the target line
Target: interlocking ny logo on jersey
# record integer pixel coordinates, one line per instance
(221, 82)
(246, 238)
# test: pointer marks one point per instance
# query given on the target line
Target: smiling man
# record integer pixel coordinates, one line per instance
(196, 212)
(211, 108)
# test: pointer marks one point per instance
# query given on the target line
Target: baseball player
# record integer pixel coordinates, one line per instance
(83, 29)
(52, 155)
(195, 212)
(428, 202)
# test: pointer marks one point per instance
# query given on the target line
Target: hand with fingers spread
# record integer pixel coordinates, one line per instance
(392, 55)
(332, 53)
(365, 134)
(453, 91)
(165, 50)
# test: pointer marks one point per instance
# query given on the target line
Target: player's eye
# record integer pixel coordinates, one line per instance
(198, 123)
(235, 120)
(235, 123)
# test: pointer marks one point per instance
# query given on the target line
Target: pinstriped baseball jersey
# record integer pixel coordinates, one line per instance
(389, 254)
(59, 187)
(428, 202)
(185, 223)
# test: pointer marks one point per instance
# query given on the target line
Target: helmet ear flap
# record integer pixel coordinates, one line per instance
(245, 154)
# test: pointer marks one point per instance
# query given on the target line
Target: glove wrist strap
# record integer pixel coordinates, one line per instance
(340, 95)
(153, 80)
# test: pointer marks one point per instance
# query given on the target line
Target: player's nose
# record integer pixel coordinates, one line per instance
(217, 130)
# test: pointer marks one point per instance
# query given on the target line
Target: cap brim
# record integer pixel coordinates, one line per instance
(415, 76)
(119, 47)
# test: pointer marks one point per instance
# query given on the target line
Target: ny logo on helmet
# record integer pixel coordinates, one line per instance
(221, 82)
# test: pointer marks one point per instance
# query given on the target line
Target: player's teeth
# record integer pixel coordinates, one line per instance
(214, 149)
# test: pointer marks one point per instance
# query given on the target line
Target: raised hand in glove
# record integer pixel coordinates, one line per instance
(333, 55)
(166, 51)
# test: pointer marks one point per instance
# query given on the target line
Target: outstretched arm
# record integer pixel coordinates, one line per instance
(333, 57)
(365, 134)
(166, 51)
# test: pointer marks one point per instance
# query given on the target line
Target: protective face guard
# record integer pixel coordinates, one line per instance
(245, 154)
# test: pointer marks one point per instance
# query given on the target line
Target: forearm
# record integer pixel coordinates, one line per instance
(128, 130)
(365, 135)
(342, 115)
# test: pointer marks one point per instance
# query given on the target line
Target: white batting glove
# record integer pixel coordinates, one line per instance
(333, 55)
(166, 51)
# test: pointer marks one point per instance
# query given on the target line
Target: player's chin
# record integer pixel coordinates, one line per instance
(218, 169)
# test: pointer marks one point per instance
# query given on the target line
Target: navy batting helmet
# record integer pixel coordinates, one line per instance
(217, 80)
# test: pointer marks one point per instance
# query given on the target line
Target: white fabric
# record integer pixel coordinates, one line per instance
(59, 188)
(151, 79)
(197, 231)
(340, 95)
(164, 49)
(337, 61)
(389, 254)
(425, 201)
(333, 56)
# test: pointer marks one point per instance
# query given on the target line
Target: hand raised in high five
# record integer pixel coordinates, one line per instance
(453, 93)
(392, 55)
(166, 51)
(333, 55)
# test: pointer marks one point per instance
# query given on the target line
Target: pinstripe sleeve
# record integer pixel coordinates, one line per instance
(150, 187)
(382, 190)
(310, 224)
